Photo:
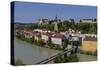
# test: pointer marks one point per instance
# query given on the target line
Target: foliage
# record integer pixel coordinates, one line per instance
(46, 26)
(75, 43)
(90, 28)
(59, 59)
(40, 41)
(66, 42)
(88, 52)
(34, 26)
(95, 53)
(84, 27)
(71, 58)
(30, 40)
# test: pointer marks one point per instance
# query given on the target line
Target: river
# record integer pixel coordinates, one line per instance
(30, 53)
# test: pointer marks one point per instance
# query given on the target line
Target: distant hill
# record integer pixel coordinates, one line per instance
(23, 23)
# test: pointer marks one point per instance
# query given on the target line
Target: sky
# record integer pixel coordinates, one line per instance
(30, 12)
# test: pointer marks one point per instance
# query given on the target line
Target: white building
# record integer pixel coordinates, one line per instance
(87, 21)
(28, 33)
(57, 39)
(45, 37)
(42, 21)
(37, 35)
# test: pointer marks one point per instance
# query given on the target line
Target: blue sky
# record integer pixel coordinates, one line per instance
(29, 12)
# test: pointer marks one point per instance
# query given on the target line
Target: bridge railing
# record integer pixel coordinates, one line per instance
(53, 57)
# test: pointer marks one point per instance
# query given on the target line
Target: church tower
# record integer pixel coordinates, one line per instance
(56, 24)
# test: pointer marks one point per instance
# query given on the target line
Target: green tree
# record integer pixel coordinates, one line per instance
(40, 41)
(65, 44)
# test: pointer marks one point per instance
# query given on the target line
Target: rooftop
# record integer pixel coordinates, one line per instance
(90, 39)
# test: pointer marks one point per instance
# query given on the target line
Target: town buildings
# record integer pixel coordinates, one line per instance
(42, 21)
(56, 36)
(57, 39)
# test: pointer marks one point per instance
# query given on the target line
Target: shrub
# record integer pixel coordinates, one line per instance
(71, 58)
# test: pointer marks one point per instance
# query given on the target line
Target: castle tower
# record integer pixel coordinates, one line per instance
(40, 21)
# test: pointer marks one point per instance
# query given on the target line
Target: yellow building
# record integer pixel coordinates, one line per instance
(89, 44)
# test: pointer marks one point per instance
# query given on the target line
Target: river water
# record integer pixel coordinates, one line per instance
(30, 53)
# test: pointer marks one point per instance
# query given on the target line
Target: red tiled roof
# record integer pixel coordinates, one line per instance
(27, 29)
(45, 34)
(57, 35)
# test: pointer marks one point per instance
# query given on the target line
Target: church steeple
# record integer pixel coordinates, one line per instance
(56, 19)
(56, 24)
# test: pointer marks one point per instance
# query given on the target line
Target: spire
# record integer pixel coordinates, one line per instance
(55, 27)
(56, 18)
(56, 24)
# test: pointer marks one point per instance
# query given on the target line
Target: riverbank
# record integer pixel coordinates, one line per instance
(28, 41)
(40, 44)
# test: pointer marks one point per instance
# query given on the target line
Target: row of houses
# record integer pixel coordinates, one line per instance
(46, 35)
(56, 38)
(29, 33)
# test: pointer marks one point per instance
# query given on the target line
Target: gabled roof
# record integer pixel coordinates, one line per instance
(57, 35)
